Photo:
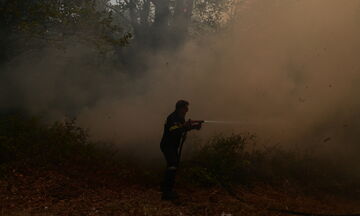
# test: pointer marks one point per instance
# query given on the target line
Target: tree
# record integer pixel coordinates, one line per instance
(160, 24)
(32, 24)
(164, 25)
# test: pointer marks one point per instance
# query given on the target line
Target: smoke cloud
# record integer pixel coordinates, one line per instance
(287, 69)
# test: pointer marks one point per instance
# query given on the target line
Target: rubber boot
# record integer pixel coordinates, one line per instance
(168, 184)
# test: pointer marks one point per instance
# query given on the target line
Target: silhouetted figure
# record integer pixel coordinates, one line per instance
(174, 134)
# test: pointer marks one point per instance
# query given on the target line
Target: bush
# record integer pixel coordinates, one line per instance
(30, 141)
(234, 159)
(224, 159)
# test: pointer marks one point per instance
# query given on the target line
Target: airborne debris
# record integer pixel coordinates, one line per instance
(301, 100)
(327, 139)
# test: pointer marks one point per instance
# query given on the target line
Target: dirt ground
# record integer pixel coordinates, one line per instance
(51, 192)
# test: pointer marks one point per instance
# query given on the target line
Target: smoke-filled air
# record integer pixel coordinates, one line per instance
(286, 71)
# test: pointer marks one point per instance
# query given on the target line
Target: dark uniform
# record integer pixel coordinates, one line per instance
(174, 130)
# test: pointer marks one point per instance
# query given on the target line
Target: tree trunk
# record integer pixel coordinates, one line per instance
(182, 18)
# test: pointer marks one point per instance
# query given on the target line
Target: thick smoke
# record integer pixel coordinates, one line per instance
(287, 69)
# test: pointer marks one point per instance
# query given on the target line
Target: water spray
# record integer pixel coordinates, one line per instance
(221, 122)
(213, 122)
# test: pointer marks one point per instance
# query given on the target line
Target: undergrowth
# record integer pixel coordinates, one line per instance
(224, 160)
(29, 142)
(235, 159)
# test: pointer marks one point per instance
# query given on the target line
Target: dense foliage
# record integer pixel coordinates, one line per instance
(30, 142)
(33, 24)
(223, 160)
(232, 160)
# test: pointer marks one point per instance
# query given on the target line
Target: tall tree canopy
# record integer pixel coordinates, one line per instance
(167, 23)
(154, 25)
(53, 21)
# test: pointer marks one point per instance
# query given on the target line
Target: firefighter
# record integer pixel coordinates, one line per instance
(175, 130)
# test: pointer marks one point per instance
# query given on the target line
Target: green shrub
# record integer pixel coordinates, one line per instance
(223, 159)
(229, 160)
(30, 140)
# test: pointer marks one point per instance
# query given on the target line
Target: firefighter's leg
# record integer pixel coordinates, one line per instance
(169, 179)
(170, 174)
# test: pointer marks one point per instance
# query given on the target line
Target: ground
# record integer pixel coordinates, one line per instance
(79, 192)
